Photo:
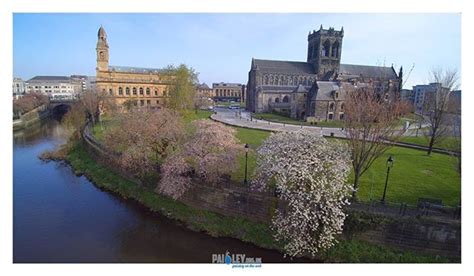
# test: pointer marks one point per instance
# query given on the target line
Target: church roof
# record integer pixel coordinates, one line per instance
(139, 70)
(324, 90)
(300, 89)
(367, 71)
(283, 66)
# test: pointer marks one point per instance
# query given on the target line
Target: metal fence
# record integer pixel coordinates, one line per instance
(423, 209)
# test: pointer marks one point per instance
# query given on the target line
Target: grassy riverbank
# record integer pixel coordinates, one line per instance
(221, 226)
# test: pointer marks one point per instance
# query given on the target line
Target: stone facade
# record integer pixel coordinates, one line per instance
(140, 86)
(303, 90)
(224, 91)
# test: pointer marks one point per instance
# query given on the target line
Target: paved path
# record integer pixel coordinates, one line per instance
(242, 118)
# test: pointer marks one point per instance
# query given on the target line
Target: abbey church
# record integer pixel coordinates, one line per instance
(314, 90)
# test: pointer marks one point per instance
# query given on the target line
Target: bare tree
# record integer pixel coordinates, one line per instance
(371, 120)
(92, 100)
(436, 105)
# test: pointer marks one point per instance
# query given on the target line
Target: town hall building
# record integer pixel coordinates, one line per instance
(137, 86)
(314, 90)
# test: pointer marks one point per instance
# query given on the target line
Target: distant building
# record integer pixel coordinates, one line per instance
(56, 87)
(18, 87)
(314, 90)
(423, 94)
(228, 91)
(407, 95)
(80, 83)
(204, 91)
(135, 85)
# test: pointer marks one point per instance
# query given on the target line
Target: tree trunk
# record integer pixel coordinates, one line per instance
(430, 146)
(356, 185)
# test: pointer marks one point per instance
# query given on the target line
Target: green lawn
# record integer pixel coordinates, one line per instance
(446, 143)
(413, 175)
(254, 138)
(273, 117)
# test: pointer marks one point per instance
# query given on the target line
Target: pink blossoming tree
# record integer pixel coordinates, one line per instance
(209, 154)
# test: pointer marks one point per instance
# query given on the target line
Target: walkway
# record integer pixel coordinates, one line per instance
(241, 118)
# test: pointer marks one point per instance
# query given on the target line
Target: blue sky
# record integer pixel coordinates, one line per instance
(220, 46)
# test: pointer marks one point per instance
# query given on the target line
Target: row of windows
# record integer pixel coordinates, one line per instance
(134, 91)
(331, 116)
(332, 105)
(142, 102)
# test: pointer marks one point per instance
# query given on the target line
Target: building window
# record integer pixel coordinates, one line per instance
(134, 91)
(148, 102)
(277, 100)
(286, 99)
(111, 93)
(341, 116)
(331, 106)
(141, 90)
(142, 102)
(127, 91)
(165, 93)
(157, 102)
(120, 91)
(330, 116)
(342, 106)
(148, 91)
(156, 92)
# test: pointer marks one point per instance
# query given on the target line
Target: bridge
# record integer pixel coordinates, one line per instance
(60, 106)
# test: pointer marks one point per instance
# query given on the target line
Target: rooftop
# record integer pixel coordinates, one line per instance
(139, 70)
(283, 66)
(49, 79)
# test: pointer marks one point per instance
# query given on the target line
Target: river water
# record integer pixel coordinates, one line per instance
(60, 217)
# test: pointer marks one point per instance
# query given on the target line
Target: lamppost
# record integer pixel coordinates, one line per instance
(389, 165)
(246, 157)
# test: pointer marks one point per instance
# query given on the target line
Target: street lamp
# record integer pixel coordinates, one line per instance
(389, 165)
(246, 157)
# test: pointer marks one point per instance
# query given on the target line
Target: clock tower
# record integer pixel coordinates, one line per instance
(102, 51)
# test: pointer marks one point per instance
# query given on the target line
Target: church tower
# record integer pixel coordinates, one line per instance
(102, 51)
(324, 50)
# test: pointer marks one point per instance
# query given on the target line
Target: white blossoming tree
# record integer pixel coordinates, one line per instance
(309, 174)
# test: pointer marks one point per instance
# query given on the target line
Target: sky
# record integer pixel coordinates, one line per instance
(220, 46)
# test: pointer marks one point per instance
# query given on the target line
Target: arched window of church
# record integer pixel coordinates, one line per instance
(326, 48)
(342, 106)
(335, 49)
(266, 80)
(148, 91)
(120, 91)
(141, 90)
(331, 106)
(127, 91)
(156, 92)
(111, 93)
(134, 91)
(286, 99)
(277, 100)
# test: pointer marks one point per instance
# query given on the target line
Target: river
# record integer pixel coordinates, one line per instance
(62, 218)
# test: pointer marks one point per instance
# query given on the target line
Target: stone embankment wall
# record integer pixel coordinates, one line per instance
(441, 237)
(31, 117)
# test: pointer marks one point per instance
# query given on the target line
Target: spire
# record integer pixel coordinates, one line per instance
(320, 28)
(101, 33)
